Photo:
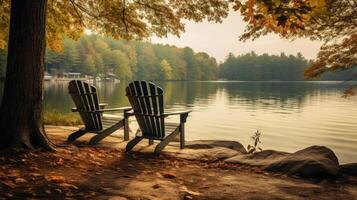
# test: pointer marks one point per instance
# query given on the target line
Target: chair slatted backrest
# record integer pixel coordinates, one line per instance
(86, 100)
(147, 98)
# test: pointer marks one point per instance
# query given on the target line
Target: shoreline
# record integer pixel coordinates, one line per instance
(311, 162)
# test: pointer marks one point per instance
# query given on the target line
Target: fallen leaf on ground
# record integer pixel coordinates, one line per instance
(33, 168)
(20, 180)
(190, 192)
(168, 175)
(8, 195)
(2, 175)
(13, 173)
(58, 190)
(67, 185)
(60, 161)
(187, 197)
(34, 174)
(9, 184)
(56, 179)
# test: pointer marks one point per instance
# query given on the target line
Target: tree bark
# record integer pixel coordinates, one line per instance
(21, 112)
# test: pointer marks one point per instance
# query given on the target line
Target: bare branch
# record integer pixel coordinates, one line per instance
(78, 14)
(124, 18)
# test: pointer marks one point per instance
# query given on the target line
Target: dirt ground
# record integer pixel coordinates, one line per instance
(78, 171)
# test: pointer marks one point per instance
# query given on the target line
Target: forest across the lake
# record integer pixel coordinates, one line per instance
(97, 55)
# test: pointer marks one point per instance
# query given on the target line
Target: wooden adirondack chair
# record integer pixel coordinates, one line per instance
(85, 98)
(148, 108)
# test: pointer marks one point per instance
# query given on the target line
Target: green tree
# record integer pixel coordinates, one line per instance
(70, 56)
(89, 65)
(253, 67)
(207, 65)
(99, 65)
(147, 63)
(132, 56)
(193, 71)
(166, 70)
(121, 65)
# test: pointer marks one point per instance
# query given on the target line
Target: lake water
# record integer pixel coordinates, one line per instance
(290, 115)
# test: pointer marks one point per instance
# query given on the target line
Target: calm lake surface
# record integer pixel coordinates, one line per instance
(290, 115)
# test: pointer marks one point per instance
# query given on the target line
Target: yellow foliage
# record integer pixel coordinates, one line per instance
(118, 18)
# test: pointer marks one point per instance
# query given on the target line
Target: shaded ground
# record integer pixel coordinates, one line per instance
(77, 171)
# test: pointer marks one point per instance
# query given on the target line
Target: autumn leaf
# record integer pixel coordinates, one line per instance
(56, 179)
(190, 192)
(33, 168)
(34, 174)
(8, 183)
(60, 161)
(168, 175)
(67, 185)
(8, 195)
(20, 180)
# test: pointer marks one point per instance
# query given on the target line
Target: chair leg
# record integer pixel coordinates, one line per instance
(126, 128)
(151, 142)
(132, 143)
(166, 141)
(76, 135)
(100, 136)
(94, 140)
(182, 136)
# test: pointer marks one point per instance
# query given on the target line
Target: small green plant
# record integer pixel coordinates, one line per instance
(256, 138)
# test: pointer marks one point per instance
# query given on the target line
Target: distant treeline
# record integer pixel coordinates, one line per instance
(253, 67)
(95, 55)
(128, 60)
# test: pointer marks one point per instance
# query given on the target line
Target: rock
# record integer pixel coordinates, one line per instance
(211, 155)
(312, 162)
(209, 144)
(349, 169)
(260, 159)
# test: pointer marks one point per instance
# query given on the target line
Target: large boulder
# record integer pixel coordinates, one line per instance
(208, 155)
(260, 159)
(312, 162)
(209, 144)
(349, 169)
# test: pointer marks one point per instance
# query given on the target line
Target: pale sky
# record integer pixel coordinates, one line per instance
(219, 39)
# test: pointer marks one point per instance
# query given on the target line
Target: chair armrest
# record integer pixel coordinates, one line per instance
(177, 113)
(102, 105)
(125, 109)
(161, 115)
(183, 115)
(141, 114)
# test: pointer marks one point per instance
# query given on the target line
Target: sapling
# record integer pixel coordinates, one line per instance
(255, 147)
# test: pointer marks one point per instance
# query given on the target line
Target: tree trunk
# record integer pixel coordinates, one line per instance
(21, 112)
